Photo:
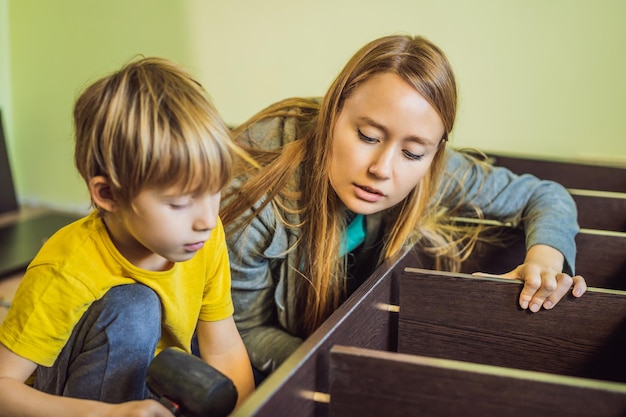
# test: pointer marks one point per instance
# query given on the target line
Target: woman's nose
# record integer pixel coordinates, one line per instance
(382, 166)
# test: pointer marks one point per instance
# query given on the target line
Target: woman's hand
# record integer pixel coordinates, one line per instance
(544, 283)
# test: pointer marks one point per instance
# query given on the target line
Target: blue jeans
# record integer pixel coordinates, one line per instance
(108, 353)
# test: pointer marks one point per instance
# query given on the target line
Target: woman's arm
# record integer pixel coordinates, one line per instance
(258, 261)
(544, 209)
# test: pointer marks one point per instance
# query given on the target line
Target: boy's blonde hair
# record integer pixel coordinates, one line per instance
(150, 124)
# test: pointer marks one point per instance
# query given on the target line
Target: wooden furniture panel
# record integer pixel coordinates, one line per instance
(568, 174)
(603, 213)
(600, 258)
(368, 383)
(598, 190)
(367, 319)
(579, 338)
(473, 319)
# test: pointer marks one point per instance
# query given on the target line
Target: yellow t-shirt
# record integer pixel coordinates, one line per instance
(79, 264)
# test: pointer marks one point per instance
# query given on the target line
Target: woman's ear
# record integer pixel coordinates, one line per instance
(102, 193)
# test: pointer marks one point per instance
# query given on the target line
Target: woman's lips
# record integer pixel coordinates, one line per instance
(370, 195)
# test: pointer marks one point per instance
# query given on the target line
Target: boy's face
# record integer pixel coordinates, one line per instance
(162, 226)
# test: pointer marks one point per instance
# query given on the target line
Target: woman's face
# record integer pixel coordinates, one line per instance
(383, 143)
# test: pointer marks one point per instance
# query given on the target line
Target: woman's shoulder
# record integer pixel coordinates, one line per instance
(278, 124)
(465, 157)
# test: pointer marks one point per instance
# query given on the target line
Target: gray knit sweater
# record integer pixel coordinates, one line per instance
(263, 272)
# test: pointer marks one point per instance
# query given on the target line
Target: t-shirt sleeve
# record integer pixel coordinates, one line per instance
(217, 302)
(43, 313)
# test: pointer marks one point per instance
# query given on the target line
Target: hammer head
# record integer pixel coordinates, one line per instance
(197, 388)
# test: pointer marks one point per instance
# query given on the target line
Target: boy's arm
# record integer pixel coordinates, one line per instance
(221, 347)
(20, 400)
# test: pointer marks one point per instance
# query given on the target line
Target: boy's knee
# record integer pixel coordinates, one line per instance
(133, 299)
(135, 308)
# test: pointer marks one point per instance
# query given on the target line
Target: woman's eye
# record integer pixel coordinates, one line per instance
(365, 138)
(412, 156)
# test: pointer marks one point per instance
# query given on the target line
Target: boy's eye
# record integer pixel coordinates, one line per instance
(365, 138)
(180, 204)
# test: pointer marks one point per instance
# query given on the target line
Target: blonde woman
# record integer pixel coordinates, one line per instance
(347, 181)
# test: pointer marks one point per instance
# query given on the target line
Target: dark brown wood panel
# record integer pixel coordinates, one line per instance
(367, 320)
(569, 174)
(598, 190)
(369, 383)
(600, 257)
(602, 260)
(504, 250)
(364, 320)
(604, 213)
(474, 319)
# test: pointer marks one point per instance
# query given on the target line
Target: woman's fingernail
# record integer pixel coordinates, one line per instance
(524, 305)
(534, 308)
(547, 305)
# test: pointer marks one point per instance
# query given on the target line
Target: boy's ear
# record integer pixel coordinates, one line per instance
(102, 194)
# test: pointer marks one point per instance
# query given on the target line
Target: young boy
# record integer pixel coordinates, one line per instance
(146, 270)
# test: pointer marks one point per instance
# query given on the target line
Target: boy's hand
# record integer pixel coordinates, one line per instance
(145, 408)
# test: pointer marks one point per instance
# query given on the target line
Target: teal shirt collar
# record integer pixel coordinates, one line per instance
(354, 235)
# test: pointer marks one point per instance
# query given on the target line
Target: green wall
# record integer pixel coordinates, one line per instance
(5, 83)
(536, 77)
(56, 48)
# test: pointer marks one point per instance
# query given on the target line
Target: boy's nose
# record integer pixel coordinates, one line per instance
(208, 221)
(207, 213)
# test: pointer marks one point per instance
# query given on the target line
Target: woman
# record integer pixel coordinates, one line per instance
(346, 182)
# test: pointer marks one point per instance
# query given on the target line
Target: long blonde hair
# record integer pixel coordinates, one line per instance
(297, 175)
